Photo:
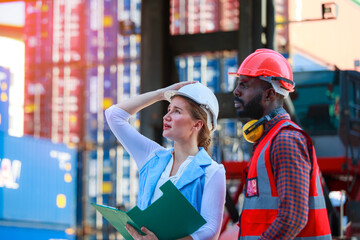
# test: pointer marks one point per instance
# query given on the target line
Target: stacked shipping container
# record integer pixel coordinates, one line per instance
(282, 30)
(77, 65)
(202, 16)
(113, 73)
(53, 76)
(38, 74)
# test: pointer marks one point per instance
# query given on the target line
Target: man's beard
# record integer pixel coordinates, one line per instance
(252, 109)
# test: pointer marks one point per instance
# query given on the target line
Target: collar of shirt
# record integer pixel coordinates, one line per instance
(281, 116)
(165, 176)
(268, 125)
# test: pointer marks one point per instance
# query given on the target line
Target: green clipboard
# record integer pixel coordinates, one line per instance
(169, 217)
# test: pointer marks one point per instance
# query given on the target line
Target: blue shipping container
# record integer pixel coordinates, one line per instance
(230, 64)
(213, 80)
(17, 233)
(37, 181)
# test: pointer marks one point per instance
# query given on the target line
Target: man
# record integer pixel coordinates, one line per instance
(283, 194)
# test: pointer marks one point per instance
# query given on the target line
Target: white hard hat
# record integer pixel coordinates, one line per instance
(203, 96)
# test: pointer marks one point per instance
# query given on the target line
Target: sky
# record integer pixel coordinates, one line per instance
(12, 13)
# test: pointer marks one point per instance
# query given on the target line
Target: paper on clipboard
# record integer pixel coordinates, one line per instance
(169, 217)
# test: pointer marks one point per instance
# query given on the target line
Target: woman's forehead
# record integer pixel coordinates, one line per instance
(178, 101)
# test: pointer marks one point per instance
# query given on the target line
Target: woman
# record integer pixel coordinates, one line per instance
(191, 115)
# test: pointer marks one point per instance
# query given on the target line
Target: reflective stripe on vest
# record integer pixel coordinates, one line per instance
(260, 209)
(325, 237)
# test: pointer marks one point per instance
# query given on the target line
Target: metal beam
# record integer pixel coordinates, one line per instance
(256, 26)
(245, 29)
(12, 32)
(226, 105)
(156, 67)
(270, 24)
(251, 28)
(192, 43)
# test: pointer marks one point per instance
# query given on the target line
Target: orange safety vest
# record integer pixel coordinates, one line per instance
(261, 198)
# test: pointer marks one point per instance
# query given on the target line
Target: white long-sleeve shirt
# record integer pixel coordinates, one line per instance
(142, 149)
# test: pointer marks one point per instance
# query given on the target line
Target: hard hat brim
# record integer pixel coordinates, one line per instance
(171, 93)
(234, 74)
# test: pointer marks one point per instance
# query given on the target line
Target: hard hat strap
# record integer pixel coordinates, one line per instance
(270, 78)
(205, 108)
(209, 121)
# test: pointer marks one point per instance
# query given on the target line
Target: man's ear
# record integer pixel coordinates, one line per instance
(270, 94)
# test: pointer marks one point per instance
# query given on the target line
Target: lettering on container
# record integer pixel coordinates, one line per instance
(10, 173)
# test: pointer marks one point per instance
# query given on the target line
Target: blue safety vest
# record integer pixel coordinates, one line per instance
(191, 183)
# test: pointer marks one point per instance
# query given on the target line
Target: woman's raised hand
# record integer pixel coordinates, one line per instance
(176, 86)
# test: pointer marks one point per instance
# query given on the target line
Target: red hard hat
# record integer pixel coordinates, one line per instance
(270, 64)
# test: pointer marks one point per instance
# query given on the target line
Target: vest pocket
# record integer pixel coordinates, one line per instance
(259, 215)
(255, 222)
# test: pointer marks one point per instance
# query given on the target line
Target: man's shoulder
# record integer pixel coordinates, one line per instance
(289, 134)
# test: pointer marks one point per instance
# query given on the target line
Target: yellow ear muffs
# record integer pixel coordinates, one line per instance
(253, 130)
